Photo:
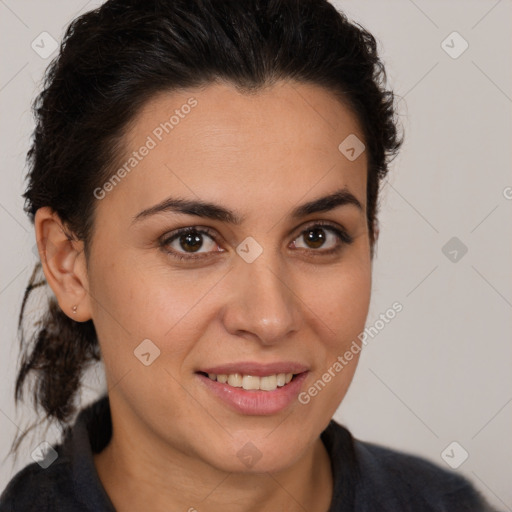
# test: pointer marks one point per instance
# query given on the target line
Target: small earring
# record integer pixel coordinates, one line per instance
(75, 308)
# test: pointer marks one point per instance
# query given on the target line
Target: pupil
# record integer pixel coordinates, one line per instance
(193, 240)
(318, 239)
(315, 237)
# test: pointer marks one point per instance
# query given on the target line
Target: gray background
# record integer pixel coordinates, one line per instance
(440, 371)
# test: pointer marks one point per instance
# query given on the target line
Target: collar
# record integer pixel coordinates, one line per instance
(93, 429)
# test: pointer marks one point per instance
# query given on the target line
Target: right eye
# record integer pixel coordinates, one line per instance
(187, 242)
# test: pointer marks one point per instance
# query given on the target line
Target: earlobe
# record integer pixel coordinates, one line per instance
(375, 237)
(64, 265)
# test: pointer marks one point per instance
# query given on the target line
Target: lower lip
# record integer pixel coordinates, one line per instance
(256, 402)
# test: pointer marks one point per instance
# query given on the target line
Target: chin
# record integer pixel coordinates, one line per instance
(255, 456)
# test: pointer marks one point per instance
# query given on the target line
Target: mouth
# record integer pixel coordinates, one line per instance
(250, 389)
(252, 382)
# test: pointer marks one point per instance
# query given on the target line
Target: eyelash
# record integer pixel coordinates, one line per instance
(343, 239)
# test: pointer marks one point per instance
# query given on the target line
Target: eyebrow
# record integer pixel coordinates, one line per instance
(213, 211)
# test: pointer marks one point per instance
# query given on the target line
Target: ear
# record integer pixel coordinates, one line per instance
(64, 264)
(376, 232)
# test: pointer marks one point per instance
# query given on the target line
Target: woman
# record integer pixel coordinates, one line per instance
(203, 184)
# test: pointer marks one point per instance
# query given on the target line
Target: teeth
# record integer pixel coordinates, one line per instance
(235, 380)
(268, 383)
(250, 382)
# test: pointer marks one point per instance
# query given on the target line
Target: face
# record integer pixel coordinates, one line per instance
(264, 289)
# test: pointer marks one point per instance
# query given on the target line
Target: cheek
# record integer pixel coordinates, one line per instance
(341, 299)
(140, 298)
(342, 304)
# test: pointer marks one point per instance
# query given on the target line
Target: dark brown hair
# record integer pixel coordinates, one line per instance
(112, 60)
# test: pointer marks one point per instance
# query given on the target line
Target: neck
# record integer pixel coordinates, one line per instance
(137, 476)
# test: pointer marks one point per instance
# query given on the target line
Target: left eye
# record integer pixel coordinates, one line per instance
(190, 241)
(315, 235)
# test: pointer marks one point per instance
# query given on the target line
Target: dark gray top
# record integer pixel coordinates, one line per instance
(367, 477)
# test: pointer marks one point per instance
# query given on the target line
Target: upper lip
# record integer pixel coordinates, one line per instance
(256, 369)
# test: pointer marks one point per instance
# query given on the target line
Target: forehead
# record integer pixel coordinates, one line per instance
(222, 113)
(204, 142)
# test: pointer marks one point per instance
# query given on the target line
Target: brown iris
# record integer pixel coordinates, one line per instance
(193, 240)
(315, 236)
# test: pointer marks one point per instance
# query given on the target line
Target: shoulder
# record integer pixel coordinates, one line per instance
(408, 482)
(36, 489)
(70, 481)
(389, 480)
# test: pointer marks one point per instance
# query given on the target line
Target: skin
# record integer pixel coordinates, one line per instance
(174, 444)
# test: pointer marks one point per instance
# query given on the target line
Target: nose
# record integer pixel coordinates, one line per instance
(264, 305)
